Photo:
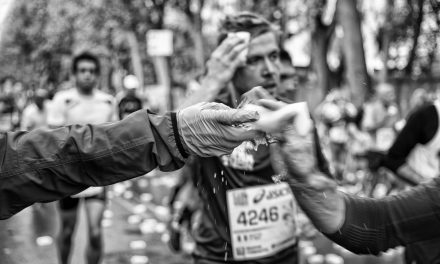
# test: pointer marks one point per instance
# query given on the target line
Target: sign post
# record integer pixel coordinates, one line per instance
(160, 47)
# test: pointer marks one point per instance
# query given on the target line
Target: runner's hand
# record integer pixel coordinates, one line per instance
(254, 95)
(208, 129)
(225, 59)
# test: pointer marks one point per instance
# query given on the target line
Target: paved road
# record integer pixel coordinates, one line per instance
(124, 243)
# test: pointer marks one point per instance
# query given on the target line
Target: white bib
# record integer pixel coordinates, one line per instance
(262, 220)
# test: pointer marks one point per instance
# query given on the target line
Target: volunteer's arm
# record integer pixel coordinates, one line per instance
(46, 165)
(362, 225)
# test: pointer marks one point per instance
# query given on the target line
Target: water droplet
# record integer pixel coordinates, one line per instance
(226, 256)
(44, 241)
(213, 189)
(215, 175)
(221, 172)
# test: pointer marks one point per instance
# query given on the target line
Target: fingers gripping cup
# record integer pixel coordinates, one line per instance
(292, 116)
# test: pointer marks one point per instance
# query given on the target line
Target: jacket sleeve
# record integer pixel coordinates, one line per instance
(373, 226)
(46, 165)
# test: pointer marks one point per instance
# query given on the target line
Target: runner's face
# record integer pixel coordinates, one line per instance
(262, 67)
(287, 88)
(386, 93)
(86, 75)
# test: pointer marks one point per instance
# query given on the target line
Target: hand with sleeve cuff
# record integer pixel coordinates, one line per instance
(315, 192)
(212, 129)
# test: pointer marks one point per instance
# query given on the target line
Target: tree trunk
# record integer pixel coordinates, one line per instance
(354, 56)
(385, 41)
(321, 35)
(320, 43)
(199, 42)
(416, 31)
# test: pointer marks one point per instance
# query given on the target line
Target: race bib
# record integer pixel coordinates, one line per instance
(385, 138)
(262, 220)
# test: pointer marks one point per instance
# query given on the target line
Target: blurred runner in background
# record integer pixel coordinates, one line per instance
(9, 112)
(380, 115)
(334, 115)
(130, 102)
(288, 87)
(35, 113)
(83, 104)
(183, 202)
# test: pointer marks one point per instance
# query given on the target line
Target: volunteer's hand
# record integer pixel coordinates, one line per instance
(315, 192)
(207, 128)
(225, 59)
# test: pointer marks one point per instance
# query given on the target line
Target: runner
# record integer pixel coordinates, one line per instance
(335, 114)
(35, 114)
(84, 104)
(246, 218)
(288, 87)
(182, 217)
(380, 115)
(130, 102)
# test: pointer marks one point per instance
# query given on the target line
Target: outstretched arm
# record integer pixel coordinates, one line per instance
(362, 225)
(46, 165)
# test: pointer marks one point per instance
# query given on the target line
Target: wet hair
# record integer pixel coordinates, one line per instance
(85, 56)
(285, 56)
(245, 21)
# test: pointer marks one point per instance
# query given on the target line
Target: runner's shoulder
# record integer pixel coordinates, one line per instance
(101, 95)
(64, 95)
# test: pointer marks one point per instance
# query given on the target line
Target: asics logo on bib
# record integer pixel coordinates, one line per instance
(272, 194)
(259, 196)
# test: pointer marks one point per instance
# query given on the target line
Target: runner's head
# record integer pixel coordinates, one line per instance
(262, 64)
(386, 93)
(288, 87)
(85, 68)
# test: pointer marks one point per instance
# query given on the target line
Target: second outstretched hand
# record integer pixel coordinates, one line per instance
(316, 193)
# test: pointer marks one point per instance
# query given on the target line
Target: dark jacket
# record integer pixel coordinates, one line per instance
(46, 165)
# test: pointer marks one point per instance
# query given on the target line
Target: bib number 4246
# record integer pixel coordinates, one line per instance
(256, 217)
